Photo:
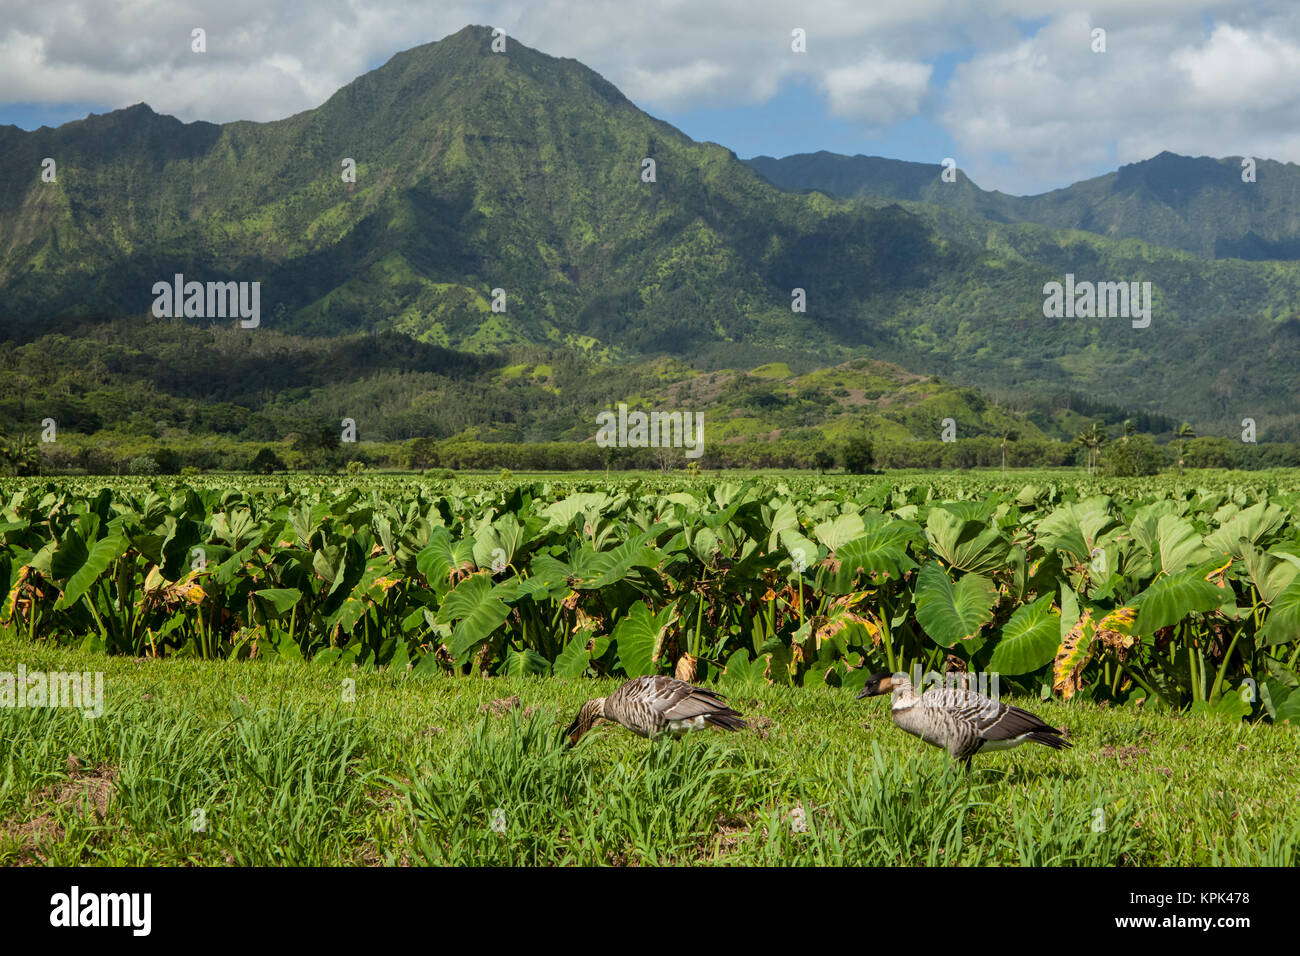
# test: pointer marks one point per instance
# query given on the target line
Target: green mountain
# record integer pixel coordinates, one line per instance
(1197, 204)
(479, 171)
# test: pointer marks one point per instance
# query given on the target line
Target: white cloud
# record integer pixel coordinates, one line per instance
(1046, 111)
(1241, 69)
(877, 91)
(1028, 105)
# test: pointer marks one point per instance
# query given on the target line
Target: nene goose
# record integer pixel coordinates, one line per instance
(652, 705)
(964, 721)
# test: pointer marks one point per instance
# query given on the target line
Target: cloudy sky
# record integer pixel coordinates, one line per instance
(1011, 88)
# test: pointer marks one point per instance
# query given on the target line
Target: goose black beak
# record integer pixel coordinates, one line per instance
(876, 685)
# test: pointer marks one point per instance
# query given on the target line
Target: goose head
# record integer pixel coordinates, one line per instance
(881, 683)
(591, 712)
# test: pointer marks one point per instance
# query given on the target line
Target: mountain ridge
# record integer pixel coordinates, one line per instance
(522, 172)
(1169, 199)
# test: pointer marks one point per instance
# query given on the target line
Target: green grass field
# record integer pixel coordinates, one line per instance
(265, 763)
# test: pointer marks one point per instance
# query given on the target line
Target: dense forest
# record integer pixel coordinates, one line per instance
(505, 266)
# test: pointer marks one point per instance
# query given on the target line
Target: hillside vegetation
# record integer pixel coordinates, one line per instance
(521, 172)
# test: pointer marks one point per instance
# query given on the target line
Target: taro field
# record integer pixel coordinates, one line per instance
(378, 670)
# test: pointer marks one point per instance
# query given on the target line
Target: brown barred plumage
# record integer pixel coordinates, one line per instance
(656, 704)
(961, 720)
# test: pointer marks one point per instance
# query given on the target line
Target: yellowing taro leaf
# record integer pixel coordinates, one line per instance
(842, 615)
(1115, 630)
(1073, 656)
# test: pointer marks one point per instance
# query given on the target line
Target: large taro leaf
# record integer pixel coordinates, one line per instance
(1145, 520)
(839, 530)
(305, 521)
(882, 549)
(496, 544)
(347, 600)
(67, 554)
(609, 567)
(705, 545)
(524, 663)
(547, 578)
(441, 558)
(1180, 545)
(970, 509)
(803, 553)
(477, 610)
(785, 520)
(236, 528)
(1075, 528)
(1288, 711)
(950, 612)
(1282, 624)
(1029, 640)
(965, 544)
(80, 566)
(729, 493)
(384, 532)
(1171, 597)
(847, 621)
(277, 602)
(639, 637)
(561, 513)
(573, 660)
(327, 562)
(1254, 524)
(1268, 572)
(347, 574)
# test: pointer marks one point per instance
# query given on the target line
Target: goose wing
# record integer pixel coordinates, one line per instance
(990, 719)
(677, 700)
(648, 704)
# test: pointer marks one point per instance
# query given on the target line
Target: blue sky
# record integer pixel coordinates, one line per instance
(1010, 88)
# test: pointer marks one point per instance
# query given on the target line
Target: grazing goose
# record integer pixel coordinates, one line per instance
(652, 705)
(964, 721)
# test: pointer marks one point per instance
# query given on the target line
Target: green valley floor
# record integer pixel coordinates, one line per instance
(237, 763)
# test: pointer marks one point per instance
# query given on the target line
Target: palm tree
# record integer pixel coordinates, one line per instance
(1185, 433)
(1092, 438)
(1008, 436)
(1129, 429)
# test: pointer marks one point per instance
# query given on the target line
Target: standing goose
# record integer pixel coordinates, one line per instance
(964, 721)
(651, 705)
